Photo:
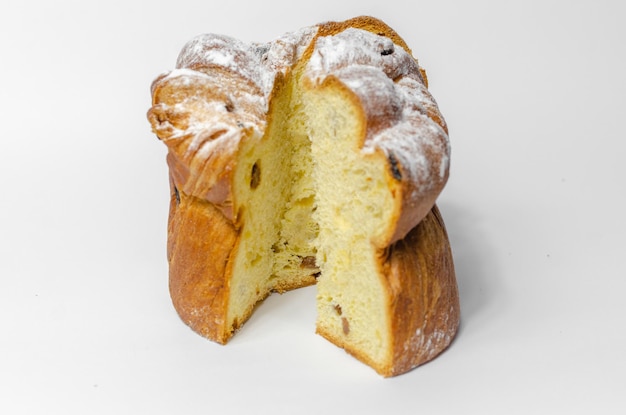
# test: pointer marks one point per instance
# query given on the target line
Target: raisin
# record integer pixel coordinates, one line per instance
(395, 167)
(255, 176)
(308, 262)
(345, 325)
(230, 107)
(387, 48)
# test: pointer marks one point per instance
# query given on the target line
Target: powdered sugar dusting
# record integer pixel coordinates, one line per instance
(360, 47)
(218, 93)
(210, 52)
(258, 62)
(283, 52)
(226, 72)
(220, 61)
(392, 92)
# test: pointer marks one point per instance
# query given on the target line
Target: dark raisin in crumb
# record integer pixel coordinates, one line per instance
(308, 262)
(255, 176)
(345, 325)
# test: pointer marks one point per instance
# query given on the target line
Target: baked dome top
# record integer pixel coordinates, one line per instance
(221, 91)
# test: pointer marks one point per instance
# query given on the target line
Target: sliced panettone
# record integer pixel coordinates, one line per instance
(315, 158)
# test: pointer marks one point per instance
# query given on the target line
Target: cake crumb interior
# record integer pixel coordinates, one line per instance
(310, 204)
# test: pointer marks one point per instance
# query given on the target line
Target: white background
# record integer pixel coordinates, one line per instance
(534, 95)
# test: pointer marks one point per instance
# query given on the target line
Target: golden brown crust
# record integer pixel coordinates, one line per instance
(200, 243)
(425, 305)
